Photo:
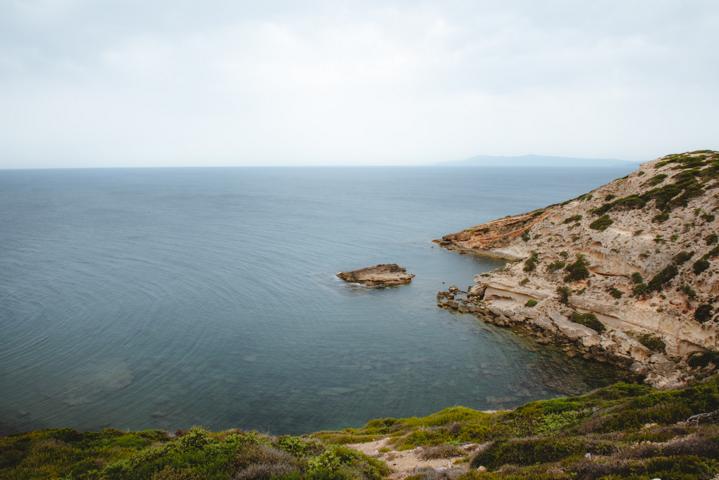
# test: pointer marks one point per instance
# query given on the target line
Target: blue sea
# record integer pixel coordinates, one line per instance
(166, 298)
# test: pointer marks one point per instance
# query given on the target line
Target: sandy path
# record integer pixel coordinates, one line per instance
(406, 462)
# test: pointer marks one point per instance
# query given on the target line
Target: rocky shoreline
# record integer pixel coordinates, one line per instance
(626, 273)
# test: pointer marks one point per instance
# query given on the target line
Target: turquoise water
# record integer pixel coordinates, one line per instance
(167, 298)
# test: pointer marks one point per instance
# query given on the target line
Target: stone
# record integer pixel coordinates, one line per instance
(378, 276)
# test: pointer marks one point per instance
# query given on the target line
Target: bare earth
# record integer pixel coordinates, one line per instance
(405, 463)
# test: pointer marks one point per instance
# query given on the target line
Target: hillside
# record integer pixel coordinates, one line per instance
(626, 273)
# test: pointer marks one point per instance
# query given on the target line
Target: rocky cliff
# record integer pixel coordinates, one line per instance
(625, 273)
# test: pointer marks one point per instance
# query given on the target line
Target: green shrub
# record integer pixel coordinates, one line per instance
(572, 219)
(530, 264)
(652, 342)
(615, 292)
(682, 257)
(700, 265)
(602, 223)
(556, 265)
(564, 293)
(531, 303)
(662, 278)
(525, 235)
(656, 180)
(703, 313)
(588, 320)
(637, 278)
(711, 239)
(689, 292)
(578, 270)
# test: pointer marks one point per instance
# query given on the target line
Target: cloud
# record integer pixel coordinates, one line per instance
(93, 83)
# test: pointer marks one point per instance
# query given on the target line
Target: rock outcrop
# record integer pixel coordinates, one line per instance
(378, 276)
(628, 272)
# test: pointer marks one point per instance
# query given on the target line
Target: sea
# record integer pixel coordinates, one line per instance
(172, 297)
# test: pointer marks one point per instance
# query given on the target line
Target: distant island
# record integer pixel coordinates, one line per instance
(538, 161)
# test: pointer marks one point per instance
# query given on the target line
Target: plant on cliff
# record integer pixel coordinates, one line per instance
(703, 313)
(700, 265)
(711, 239)
(530, 264)
(564, 292)
(556, 265)
(652, 342)
(578, 270)
(588, 320)
(615, 292)
(637, 278)
(602, 223)
(531, 303)
(663, 277)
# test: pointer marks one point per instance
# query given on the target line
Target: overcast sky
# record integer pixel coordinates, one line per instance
(179, 82)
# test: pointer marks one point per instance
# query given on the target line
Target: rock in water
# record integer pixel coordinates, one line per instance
(378, 276)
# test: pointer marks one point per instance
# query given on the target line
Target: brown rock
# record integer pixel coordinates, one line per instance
(378, 276)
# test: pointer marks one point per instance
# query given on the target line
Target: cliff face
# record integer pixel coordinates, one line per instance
(627, 272)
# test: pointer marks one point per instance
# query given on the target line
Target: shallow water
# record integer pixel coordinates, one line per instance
(167, 298)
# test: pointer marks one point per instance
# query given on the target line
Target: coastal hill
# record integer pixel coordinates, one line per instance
(627, 273)
(537, 161)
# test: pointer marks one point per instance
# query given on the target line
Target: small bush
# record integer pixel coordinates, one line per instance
(578, 270)
(525, 235)
(689, 292)
(602, 223)
(556, 265)
(703, 313)
(700, 265)
(572, 219)
(652, 342)
(530, 264)
(711, 239)
(663, 277)
(702, 359)
(682, 257)
(637, 278)
(588, 320)
(615, 292)
(564, 293)
(640, 289)
(531, 303)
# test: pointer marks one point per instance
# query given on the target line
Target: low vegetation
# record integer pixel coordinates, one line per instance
(192, 455)
(622, 431)
(588, 320)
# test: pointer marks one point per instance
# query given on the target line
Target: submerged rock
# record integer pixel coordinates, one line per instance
(378, 276)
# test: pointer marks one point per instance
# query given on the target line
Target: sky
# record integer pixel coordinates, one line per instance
(96, 83)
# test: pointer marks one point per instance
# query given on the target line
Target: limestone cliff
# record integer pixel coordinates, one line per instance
(627, 272)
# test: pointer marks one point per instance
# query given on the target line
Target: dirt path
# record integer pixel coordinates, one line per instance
(408, 462)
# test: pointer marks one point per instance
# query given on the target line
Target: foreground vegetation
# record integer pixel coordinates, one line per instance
(621, 431)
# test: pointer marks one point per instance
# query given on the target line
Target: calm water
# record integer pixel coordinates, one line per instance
(173, 297)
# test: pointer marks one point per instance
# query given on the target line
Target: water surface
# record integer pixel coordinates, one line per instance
(168, 298)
